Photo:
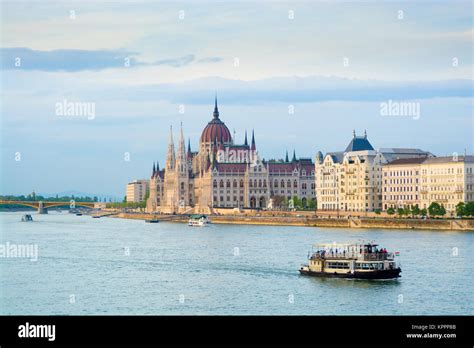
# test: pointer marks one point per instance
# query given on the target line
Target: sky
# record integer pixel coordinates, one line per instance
(302, 74)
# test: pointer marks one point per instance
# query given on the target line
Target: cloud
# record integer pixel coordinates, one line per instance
(293, 90)
(73, 60)
(210, 60)
(176, 62)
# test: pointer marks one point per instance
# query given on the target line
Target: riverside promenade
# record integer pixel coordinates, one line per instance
(311, 220)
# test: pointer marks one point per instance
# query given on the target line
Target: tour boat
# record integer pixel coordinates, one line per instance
(351, 260)
(26, 218)
(198, 221)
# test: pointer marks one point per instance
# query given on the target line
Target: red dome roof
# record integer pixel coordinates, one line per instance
(216, 130)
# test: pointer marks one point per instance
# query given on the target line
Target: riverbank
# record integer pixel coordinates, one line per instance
(312, 221)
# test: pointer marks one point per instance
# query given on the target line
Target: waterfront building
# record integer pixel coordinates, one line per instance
(223, 174)
(351, 180)
(401, 183)
(447, 181)
(136, 190)
(444, 180)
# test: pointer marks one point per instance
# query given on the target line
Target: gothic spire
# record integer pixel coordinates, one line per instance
(181, 160)
(286, 158)
(245, 141)
(294, 156)
(170, 157)
(253, 141)
(216, 110)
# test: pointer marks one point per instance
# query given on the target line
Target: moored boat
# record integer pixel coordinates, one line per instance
(351, 260)
(198, 221)
(152, 221)
(26, 218)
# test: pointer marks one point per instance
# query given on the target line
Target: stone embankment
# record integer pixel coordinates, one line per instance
(313, 221)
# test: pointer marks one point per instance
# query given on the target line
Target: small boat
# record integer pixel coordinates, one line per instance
(152, 221)
(351, 260)
(26, 218)
(96, 216)
(198, 221)
(78, 214)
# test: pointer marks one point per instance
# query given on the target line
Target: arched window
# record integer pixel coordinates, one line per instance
(282, 184)
(276, 183)
(264, 183)
(250, 183)
(235, 183)
(260, 183)
(215, 184)
(241, 183)
(221, 183)
(182, 186)
(288, 184)
(227, 183)
(295, 184)
(255, 183)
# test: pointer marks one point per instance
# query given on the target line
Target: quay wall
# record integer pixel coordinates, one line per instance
(312, 221)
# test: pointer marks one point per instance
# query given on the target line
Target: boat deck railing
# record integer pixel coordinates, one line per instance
(355, 256)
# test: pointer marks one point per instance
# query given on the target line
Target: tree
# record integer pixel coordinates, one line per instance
(401, 211)
(423, 212)
(460, 209)
(278, 201)
(390, 211)
(415, 210)
(377, 211)
(297, 202)
(436, 209)
(442, 211)
(312, 204)
(124, 199)
(469, 209)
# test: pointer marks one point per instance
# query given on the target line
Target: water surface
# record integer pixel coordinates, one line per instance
(118, 266)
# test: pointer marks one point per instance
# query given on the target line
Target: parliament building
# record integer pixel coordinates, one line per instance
(222, 174)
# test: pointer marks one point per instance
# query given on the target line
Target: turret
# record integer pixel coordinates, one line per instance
(170, 157)
(181, 162)
(253, 147)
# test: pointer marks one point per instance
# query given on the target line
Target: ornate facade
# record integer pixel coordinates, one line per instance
(351, 180)
(222, 174)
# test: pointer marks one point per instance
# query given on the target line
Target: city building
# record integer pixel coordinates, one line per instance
(351, 180)
(137, 190)
(401, 183)
(447, 181)
(223, 174)
(444, 180)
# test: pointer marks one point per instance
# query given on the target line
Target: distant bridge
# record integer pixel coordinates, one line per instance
(43, 206)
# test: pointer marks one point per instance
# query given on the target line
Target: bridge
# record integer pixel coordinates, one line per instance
(43, 206)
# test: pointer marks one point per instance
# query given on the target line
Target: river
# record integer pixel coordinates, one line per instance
(117, 266)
